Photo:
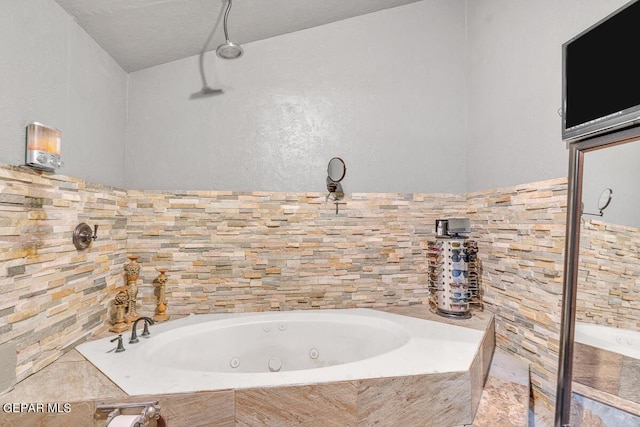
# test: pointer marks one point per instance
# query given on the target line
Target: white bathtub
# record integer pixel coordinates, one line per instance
(622, 341)
(234, 351)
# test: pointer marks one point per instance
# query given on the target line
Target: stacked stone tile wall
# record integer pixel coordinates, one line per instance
(230, 252)
(54, 296)
(609, 275)
(521, 233)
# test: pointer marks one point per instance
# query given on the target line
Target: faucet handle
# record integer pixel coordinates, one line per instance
(120, 347)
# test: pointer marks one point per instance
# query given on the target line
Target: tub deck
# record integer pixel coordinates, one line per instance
(388, 401)
(197, 353)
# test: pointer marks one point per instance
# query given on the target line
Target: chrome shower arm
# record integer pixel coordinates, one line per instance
(224, 22)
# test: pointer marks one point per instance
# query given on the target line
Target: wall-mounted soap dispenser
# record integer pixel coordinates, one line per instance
(43, 147)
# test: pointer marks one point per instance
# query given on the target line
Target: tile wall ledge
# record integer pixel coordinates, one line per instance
(34, 176)
(606, 398)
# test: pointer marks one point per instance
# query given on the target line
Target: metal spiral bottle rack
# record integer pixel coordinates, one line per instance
(453, 276)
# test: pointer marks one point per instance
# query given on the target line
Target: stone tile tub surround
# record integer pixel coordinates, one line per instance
(520, 232)
(602, 412)
(53, 296)
(269, 251)
(234, 252)
(427, 400)
(371, 254)
(607, 371)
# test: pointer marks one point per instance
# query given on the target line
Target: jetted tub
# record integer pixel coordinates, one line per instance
(621, 341)
(607, 359)
(242, 350)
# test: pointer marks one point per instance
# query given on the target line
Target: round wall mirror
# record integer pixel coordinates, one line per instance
(605, 199)
(336, 170)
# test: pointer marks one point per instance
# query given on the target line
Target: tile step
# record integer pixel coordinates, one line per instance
(505, 397)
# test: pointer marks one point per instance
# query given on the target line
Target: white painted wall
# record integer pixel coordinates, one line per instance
(390, 92)
(515, 86)
(53, 72)
(384, 91)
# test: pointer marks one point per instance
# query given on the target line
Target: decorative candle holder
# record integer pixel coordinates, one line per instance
(132, 292)
(161, 305)
(131, 271)
(121, 301)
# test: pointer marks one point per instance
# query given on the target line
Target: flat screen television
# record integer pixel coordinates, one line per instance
(601, 78)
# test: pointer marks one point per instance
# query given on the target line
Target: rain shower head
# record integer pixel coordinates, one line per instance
(228, 50)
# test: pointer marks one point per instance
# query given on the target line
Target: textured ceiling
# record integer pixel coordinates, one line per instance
(142, 33)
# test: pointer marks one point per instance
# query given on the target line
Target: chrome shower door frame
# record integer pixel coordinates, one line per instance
(577, 151)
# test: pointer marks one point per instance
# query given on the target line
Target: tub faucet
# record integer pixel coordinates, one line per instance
(145, 332)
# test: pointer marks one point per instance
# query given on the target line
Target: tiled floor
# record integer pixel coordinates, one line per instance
(505, 397)
(71, 378)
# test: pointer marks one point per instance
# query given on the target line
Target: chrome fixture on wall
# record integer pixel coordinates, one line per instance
(82, 236)
(43, 147)
(228, 50)
(336, 170)
(206, 90)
